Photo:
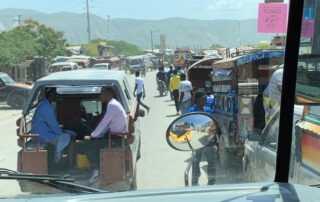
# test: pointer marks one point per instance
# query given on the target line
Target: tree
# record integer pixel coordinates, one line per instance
(263, 44)
(214, 46)
(157, 46)
(30, 41)
(50, 43)
(15, 46)
(121, 47)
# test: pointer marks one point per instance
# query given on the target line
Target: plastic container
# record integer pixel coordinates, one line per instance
(82, 162)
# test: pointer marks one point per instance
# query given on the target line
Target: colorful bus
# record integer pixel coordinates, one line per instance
(182, 57)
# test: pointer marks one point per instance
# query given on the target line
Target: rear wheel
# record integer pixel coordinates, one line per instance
(17, 101)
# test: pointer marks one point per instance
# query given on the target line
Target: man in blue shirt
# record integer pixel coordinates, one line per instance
(44, 123)
(168, 77)
(201, 106)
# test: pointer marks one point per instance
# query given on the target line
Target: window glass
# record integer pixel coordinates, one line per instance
(238, 47)
(272, 133)
(304, 165)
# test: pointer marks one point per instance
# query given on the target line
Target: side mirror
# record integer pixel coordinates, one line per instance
(191, 131)
(254, 135)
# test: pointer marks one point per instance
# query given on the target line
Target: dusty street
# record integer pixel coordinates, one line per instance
(159, 167)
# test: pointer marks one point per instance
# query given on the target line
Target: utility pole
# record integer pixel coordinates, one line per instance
(88, 19)
(19, 20)
(151, 42)
(108, 36)
(239, 35)
(151, 32)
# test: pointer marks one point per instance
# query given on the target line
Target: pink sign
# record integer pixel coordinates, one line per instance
(307, 28)
(272, 18)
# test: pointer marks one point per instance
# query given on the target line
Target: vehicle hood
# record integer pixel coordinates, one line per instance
(234, 192)
(20, 85)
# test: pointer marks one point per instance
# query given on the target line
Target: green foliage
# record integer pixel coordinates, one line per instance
(121, 47)
(16, 45)
(157, 46)
(252, 46)
(213, 46)
(30, 41)
(50, 43)
(263, 44)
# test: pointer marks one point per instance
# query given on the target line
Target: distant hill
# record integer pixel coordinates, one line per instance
(179, 31)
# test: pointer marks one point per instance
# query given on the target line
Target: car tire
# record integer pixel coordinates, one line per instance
(17, 101)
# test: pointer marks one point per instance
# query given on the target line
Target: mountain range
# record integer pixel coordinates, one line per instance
(179, 32)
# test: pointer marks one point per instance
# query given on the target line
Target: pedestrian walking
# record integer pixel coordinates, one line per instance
(185, 90)
(272, 94)
(139, 88)
(201, 105)
(174, 88)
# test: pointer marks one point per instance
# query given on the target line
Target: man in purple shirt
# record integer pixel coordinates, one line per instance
(114, 121)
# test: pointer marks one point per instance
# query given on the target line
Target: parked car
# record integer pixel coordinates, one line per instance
(260, 150)
(15, 94)
(102, 66)
(78, 108)
(62, 66)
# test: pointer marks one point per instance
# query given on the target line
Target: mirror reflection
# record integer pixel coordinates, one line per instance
(191, 132)
(308, 85)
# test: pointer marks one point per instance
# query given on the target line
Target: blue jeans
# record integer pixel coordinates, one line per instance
(140, 102)
(185, 105)
(60, 142)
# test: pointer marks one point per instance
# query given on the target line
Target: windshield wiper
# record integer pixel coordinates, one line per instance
(315, 185)
(62, 183)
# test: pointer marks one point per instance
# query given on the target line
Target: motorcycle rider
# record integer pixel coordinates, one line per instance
(161, 75)
(201, 106)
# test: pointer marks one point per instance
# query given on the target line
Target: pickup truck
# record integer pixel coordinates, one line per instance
(13, 93)
(77, 106)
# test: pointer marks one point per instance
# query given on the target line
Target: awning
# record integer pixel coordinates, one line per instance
(315, 129)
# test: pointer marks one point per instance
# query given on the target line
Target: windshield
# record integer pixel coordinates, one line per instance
(135, 62)
(7, 79)
(112, 138)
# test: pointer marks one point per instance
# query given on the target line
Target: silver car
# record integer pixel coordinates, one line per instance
(260, 149)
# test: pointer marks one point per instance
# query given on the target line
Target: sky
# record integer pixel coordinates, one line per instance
(146, 9)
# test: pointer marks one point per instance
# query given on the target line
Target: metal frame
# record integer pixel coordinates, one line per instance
(288, 90)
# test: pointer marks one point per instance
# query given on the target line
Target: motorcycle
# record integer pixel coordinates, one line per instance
(162, 88)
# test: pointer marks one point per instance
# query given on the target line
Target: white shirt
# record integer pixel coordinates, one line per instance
(139, 82)
(185, 87)
(272, 90)
(114, 120)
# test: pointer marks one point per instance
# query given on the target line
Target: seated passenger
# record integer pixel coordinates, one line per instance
(114, 121)
(44, 123)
